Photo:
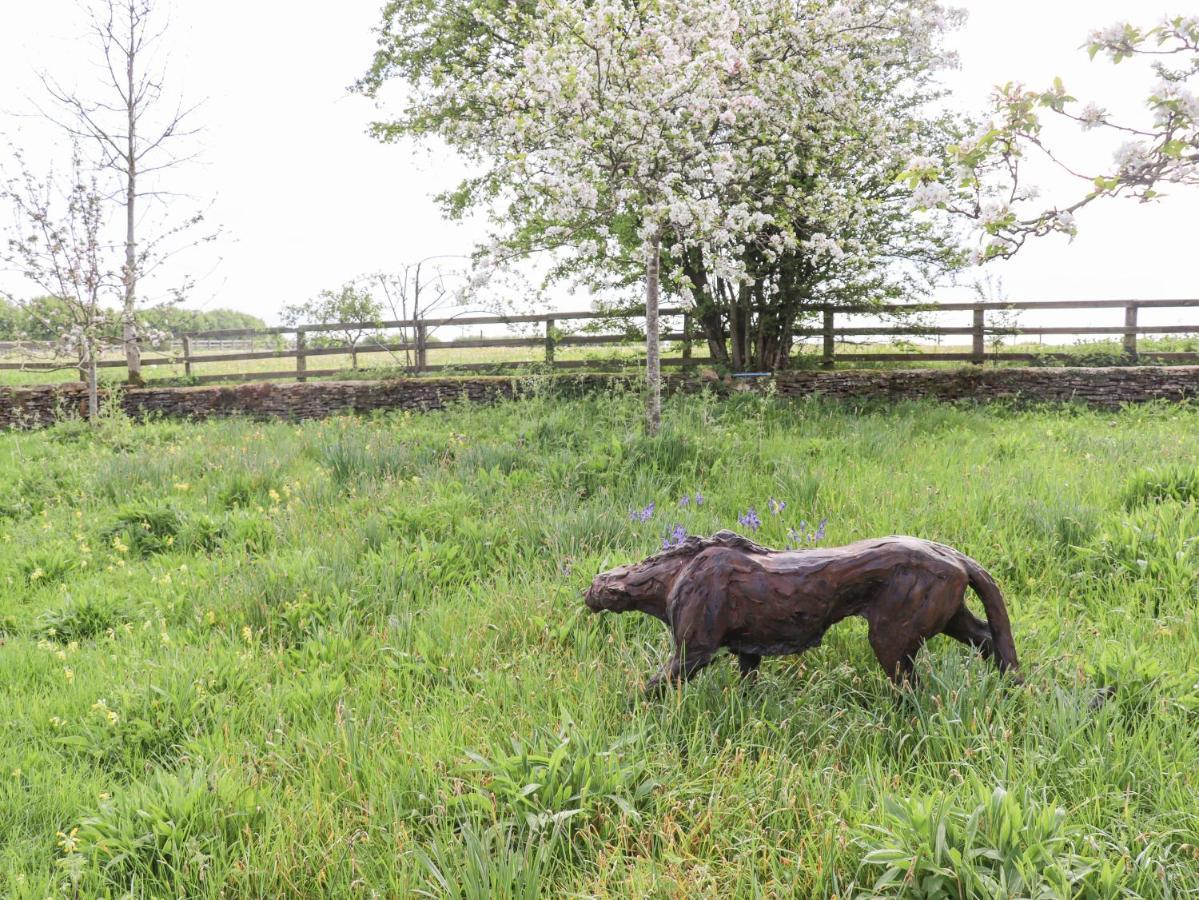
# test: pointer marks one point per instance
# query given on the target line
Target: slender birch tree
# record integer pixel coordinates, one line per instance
(138, 131)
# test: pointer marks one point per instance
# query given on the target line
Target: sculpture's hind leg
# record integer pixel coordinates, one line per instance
(896, 652)
(968, 628)
(905, 614)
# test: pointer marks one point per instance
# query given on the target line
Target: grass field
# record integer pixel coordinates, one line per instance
(349, 658)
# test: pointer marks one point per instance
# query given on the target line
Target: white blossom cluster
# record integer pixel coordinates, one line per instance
(689, 121)
(981, 177)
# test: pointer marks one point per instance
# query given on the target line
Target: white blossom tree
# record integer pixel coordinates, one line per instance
(678, 125)
(57, 242)
(984, 178)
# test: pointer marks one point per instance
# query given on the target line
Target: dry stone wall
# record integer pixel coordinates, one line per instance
(33, 406)
(1106, 388)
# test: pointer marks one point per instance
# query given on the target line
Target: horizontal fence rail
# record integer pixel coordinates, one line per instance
(302, 343)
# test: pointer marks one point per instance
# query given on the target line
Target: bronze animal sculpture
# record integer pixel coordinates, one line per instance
(727, 591)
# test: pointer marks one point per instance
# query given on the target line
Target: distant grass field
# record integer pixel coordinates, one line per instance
(384, 364)
(349, 658)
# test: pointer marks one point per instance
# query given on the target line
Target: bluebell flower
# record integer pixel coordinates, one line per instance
(798, 538)
(776, 506)
(675, 538)
(699, 499)
(642, 515)
(685, 501)
(750, 519)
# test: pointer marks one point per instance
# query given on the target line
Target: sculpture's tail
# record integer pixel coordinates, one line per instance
(988, 592)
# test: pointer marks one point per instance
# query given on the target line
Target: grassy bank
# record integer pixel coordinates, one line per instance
(347, 657)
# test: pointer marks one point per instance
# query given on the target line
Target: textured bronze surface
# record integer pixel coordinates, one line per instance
(727, 591)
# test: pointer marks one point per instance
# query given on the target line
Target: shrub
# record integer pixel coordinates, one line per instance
(1178, 483)
(573, 784)
(1140, 684)
(244, 489)
(146, 528)
(49, 565)
(491, 862)
(999, 847)
(352, 458)
(164, 835)
(81, 620)
(1155, 548)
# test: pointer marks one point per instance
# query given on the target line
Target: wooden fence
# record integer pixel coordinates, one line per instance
(415, 341)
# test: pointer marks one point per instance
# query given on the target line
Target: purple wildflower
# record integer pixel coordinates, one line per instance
(699, 499)
(776, 506)
(750, 519)
(685, 501)
(801, 537)
(675, 538)
(642, 515)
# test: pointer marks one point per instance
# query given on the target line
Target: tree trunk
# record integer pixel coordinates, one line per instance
(706, 309)
(653, 360)
(133, 356)
(93, 393)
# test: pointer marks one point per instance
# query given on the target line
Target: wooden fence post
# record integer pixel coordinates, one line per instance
(979, 353)
(421, 337)
(1130, 336)
(549, 341)
(830, 348)
(687, 337)
(301, 357)
(187, 356)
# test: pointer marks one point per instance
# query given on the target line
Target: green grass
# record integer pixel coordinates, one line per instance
(349, 658)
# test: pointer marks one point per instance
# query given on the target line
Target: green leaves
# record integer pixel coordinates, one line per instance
(571, 784)
(935, 847)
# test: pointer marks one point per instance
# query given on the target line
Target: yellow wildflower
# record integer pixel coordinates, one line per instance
(69, 842)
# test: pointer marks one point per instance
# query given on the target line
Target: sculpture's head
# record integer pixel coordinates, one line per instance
(645, 585)
(614, 590)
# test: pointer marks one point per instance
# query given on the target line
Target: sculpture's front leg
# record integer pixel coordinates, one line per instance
(683, 666)
(749, 663)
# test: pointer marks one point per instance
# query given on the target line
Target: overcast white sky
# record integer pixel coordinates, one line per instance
(308, 200)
